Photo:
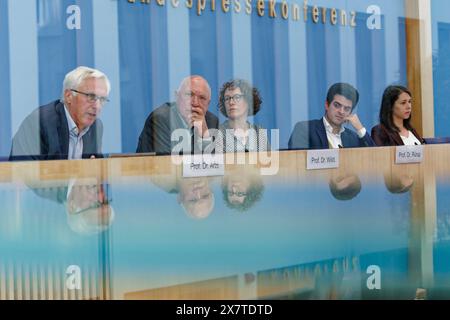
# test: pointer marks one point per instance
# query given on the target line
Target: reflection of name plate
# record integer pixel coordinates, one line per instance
(203, 165)
(322, 159)
(408, 154)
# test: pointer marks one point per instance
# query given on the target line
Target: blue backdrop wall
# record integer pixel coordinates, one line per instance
(147, 49)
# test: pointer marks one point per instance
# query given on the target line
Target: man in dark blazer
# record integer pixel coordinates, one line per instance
(66, 128)
(189, 115)
(329, 132)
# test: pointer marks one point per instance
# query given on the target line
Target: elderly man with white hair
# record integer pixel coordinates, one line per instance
(68, 128)
(189, 113)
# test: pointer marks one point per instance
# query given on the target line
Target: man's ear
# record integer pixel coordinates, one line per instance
(68, 96)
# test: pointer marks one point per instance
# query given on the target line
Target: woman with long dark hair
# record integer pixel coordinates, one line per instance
(395, 127)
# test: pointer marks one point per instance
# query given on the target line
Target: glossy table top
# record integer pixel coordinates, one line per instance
(134, 228)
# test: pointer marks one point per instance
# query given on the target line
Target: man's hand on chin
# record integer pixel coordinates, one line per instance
(354, 121)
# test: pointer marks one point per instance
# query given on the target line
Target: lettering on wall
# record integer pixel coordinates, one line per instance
(279, 9)
(374, 21)
(74, 20)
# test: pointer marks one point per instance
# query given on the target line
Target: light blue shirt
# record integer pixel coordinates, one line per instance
(75, 138)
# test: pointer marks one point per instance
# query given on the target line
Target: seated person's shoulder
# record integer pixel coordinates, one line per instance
(376, 129)
(301, 134)
(42, 113)
(306, 124)
(159, 116)
(162, 111)
(379, 131)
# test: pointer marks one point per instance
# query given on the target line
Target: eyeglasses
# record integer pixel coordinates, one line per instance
(191, 95)
(196, 198)
(96, 205)
(238, 194)
(92, 97)
(236, 98)
(337, 105)
(101, 190)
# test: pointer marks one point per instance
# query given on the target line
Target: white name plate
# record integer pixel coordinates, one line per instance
(408, 154)
(203, 165)
(322, 159)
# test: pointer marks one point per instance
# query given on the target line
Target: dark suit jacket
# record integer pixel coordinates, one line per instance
(158, 128)
(44, 135)
(312, 135)
(384, 137)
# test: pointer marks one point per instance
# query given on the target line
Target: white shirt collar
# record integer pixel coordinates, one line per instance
(72, 126)
(329, 128)
(411, 140)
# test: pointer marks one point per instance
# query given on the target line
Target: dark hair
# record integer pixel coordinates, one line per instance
(343, 89)
(251, 96)
(349, 191)
(397, 183)
(254, 194)
(390, 96)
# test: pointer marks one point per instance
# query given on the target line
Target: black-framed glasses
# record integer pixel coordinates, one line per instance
(97, 189)
(238, 194)
(191, 95)
(95, 205)
(236, 98)
(91, 97)
(337, 105)
(196, 198)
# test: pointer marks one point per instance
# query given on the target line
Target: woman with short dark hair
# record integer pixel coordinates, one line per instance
(237, 101)
(395, 127)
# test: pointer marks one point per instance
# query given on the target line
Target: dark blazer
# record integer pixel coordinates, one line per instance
(384, 137)
(44, 135)
(312, 135)
(158, 128)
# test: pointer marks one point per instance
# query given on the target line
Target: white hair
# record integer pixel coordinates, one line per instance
(198, 214)
(75, 77)
(187, 82)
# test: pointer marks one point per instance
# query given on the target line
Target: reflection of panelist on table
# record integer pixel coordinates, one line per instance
(291, 216)
(344, 186)
(398, 181)
(193, 194)
(242, 188)
(89, 209)
(87, 205)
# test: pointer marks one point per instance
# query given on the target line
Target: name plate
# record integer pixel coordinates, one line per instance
(322, 159)
(408, 154)
(203, 165)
